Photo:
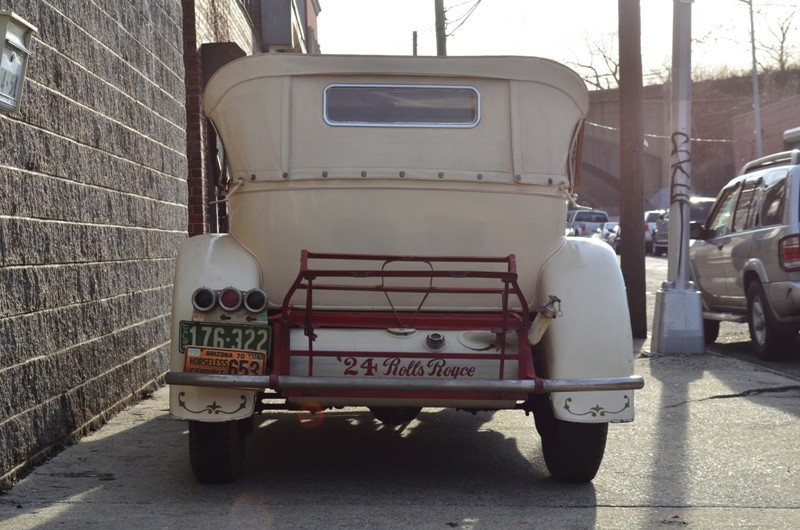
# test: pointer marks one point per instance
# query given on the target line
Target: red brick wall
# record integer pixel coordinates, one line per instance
(208, 21)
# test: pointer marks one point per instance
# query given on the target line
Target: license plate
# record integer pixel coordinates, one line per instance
(224, 348)
(224, 361)
(232, 336)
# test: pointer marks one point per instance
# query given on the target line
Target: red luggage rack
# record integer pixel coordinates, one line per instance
(499, 322)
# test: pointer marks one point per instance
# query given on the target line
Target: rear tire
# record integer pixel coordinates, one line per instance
(216, 450)
(710, 331)
(769, 344)
(572, 451)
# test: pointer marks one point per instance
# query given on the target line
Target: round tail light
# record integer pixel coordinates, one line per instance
(255, 300)
(230, 299)
(204, 299)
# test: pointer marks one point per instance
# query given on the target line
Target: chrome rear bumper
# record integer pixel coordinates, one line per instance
(256, 382)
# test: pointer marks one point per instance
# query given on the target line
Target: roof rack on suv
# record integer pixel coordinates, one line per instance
(778, 159)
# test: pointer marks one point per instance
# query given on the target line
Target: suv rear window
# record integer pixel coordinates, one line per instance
(401, 106)
(772, 204)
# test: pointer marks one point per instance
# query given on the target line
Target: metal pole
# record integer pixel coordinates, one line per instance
(678, 320)
(415, 44)
(756, 92)
(681, 156)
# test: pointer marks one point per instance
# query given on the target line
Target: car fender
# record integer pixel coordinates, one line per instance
(215, 261)
(753, 267)
(591, 336)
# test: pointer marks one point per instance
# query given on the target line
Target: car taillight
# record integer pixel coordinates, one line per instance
(203, 299)
(789, 253)
(230, 299)
(255, 300)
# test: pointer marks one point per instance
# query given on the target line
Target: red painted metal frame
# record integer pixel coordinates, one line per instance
(502, 321)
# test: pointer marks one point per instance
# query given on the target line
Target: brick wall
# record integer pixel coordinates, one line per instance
(208, 21)
(92, 211)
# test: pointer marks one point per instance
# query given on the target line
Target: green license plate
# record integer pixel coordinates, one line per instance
(242, 337)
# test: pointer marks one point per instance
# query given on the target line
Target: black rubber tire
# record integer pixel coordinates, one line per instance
(769, 343)
(395, 415)
(710, 331)
(572, 452)
(216, 450)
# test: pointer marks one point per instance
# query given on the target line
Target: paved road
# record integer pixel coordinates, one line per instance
(713, 446)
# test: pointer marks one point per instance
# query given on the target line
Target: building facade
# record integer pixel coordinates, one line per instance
(101, 179)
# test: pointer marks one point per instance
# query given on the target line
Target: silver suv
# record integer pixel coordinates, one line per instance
(746, 258)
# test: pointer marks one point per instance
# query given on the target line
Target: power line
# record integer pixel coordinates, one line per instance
(463, 18)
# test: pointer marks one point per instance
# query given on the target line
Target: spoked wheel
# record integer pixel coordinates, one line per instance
(395, 415)
(572, 451)
(216, 450)
(769, 343)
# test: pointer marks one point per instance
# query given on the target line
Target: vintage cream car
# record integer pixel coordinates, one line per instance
(397, 242)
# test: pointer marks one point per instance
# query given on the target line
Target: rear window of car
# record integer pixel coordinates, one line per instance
(401, 105)
(773, 202)
(652, 217)
(591, 217)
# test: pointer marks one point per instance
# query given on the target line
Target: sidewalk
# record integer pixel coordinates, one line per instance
(713, 446)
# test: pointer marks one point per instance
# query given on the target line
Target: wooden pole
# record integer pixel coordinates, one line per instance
(630, 163)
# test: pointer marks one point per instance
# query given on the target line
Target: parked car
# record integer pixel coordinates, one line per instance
(745, 259)
(605, 230)
(373, 259)
(650, 219)
(585, 222)
(698, 212)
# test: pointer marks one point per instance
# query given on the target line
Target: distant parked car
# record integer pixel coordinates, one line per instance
(604, 230)
(698, 212)
(584, 222)
(650, 219)
(745, 259)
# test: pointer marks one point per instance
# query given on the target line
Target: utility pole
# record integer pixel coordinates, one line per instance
(756, 94)
(415, 44)
(441, 37)
(631, 143)
(678, 320)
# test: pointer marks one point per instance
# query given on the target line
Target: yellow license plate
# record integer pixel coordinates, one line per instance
(201, 360)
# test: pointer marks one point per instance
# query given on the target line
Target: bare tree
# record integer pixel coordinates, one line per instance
(601, 70)
(780, 49)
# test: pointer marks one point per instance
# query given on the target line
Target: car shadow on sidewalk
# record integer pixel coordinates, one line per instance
(135, 472)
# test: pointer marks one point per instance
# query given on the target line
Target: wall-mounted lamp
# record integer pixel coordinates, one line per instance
(16, 36)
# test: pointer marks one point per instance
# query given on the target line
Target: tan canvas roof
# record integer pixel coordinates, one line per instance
(533, 69)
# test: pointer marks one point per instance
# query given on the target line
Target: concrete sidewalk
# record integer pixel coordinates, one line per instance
(714, 445)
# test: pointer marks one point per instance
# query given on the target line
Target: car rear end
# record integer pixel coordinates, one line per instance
(375, 257)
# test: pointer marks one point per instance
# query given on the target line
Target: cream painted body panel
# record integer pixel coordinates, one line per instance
(379, 217)
(214, 261)
(592, 337)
